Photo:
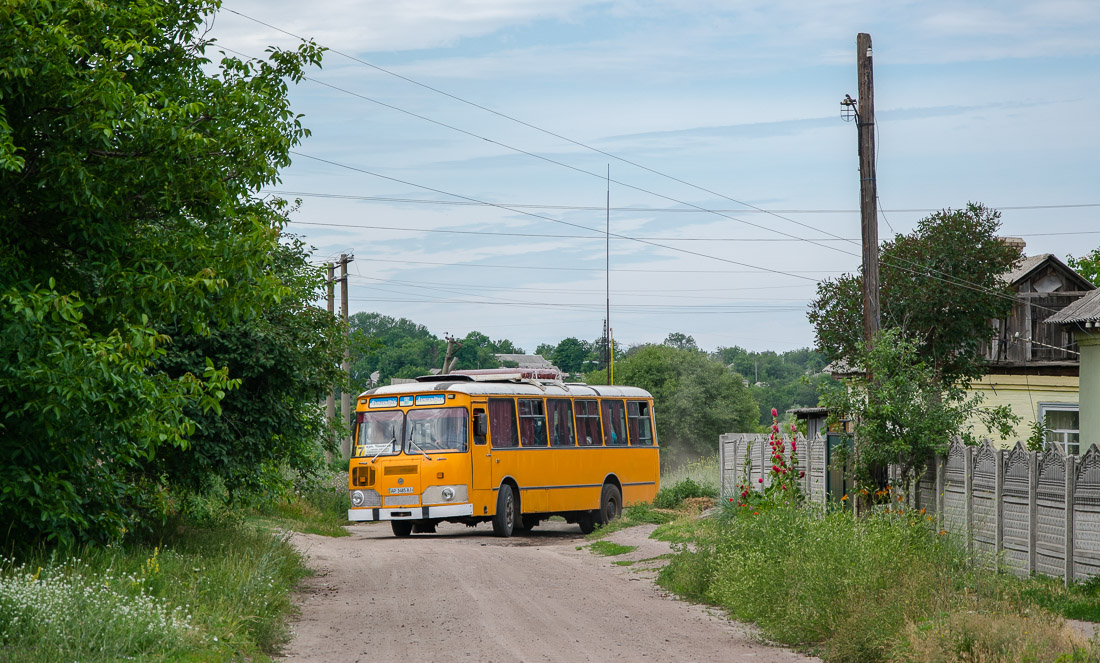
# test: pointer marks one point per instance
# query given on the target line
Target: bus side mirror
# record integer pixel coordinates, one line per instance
(481, 424)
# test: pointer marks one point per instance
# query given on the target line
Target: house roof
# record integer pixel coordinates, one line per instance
(1031, 264)
(1086, 309)
(526, 361)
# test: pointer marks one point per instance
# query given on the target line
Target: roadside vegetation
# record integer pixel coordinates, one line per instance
(883, 588)
(211, 584)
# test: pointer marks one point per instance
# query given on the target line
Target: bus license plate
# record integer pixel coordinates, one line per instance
(403, 490)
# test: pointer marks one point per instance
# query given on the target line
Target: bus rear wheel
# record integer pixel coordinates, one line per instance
(611, 504)
(401, 527)
(504, 521)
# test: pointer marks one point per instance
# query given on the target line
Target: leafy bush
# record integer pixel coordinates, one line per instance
(880, 588)
(670, 498)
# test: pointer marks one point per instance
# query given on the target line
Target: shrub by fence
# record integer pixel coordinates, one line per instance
(1029, 512)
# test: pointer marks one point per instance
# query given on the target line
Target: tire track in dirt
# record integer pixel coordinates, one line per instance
(463, 595)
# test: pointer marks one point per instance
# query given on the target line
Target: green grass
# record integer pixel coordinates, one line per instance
(638, 514)
(610, 549)
(703, 472)
(213, 585)
(211, 595)
(320, 509)
(1080, 600)
(878, 589)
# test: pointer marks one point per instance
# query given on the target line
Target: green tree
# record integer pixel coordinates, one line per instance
(128, 167)
(1087, 266)
(573, 355)
(696, 398)
(285, 361)
(680, 341)
(906, 412)
(941, 286)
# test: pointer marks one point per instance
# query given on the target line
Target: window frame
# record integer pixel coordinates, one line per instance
(633, 422)
(614, 437)
(563, 407)
(582, 431)
(1060, 436)
(511, 402)
(536, 421)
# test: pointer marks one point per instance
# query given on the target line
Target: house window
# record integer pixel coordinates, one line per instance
(1063, 424)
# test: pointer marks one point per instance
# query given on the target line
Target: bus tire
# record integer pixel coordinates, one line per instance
(530, 523)
(504, 521)
(611, 504)
(401, 528)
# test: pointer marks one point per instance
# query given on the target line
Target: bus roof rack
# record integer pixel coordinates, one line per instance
(450, 377)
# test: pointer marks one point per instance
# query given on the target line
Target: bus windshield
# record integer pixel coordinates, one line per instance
(436, 430)
(380, 433)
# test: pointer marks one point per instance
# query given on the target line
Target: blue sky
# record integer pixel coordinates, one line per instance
(992, 102)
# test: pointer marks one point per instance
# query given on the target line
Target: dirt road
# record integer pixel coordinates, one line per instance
(464, 595)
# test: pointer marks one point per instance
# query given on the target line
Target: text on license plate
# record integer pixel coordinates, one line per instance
(401, 490)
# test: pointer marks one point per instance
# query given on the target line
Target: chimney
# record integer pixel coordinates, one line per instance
(1017, 242)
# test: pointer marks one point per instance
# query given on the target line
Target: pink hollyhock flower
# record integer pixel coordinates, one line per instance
(784, 486)
(775, 412)
(775, 468)
(760, 480)
(793, 428)
(744, 493)
(731, 499)
(802, 475)
(775, 428)
(794, 447)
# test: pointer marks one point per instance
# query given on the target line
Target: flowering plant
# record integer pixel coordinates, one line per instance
(784, 477)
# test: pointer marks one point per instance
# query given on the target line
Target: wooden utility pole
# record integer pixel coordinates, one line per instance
(453, 346)
(868, 192)
(330, 400)
(345, 365)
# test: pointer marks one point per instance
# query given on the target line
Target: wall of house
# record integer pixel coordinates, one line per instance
(1023, 393)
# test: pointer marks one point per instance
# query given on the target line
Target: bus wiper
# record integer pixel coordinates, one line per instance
(419, 449)
(393, 444)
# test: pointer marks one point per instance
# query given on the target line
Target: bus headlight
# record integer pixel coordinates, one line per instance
(357, 498)
(448, 493)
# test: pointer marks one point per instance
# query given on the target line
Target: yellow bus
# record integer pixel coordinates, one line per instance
(504, 449)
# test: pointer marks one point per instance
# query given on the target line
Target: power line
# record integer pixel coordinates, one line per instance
(547, 218)
(924, 270)
(494, 286)
(594, 269)
(683, 210)
(592, 237)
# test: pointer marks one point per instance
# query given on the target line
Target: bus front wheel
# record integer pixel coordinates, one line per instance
(611, 504)
(504, 521)
(401, 527)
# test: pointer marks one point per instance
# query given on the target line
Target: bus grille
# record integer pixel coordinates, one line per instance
(392, 470)
(403, 500)
(371, 498)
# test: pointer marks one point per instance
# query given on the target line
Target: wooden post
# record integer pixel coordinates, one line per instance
(867, 188)
(345, 365)
(1033, 512)
(330, 400)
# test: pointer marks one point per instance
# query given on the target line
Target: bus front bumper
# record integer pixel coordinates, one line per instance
(411, 512)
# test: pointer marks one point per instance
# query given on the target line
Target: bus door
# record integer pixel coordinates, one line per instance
(481, 453)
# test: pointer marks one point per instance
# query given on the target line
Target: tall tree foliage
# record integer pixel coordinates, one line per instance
(941, 286)
(695, 397)
(1087, 266)
(128, 163)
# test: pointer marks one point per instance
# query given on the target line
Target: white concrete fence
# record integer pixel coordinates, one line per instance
(1025, 511)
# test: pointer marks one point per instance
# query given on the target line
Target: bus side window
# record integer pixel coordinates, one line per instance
(588, 424)
(613, 424)
(532, 422)
(560, 412)
(639, 422)
(502, 423)
(481, 425)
